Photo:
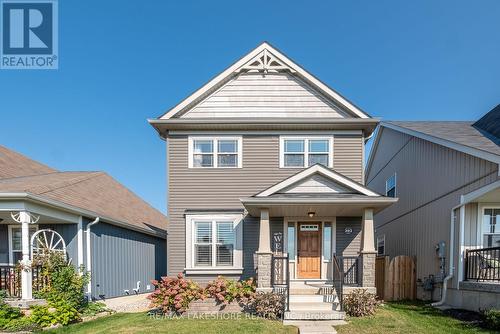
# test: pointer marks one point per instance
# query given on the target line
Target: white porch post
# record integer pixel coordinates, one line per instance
(264, 255)
(368, 252)
(26, 279)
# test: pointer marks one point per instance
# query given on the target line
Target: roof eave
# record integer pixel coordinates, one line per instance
(163, 126)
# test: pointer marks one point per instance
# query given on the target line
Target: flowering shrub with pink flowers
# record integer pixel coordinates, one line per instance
(226, 291)
(174, 294)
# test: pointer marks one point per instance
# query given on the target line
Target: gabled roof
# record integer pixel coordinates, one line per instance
(490, 124)
(462, 136)
(264, 58)
(92, 193)
(337, 178)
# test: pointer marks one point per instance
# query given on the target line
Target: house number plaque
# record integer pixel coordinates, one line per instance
(348, 230)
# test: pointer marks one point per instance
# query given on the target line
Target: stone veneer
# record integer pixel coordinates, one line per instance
(264, 271)
(368, 269)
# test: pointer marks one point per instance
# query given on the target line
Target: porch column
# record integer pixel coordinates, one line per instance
(26, 279)
(368, 252)
(264, 254)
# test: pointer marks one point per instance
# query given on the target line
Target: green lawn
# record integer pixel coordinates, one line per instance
(141, 323)
(399, 318)
(408, 318)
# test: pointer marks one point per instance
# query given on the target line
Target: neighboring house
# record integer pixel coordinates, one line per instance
(446, 177)
(266, 159)
(124, 246)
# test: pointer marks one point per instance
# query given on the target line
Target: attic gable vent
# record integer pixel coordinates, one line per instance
(265, 62)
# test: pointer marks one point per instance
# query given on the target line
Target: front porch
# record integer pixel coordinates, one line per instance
(325, 241)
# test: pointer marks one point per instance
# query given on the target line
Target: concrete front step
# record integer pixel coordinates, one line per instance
(302, 306)
(314, 315)
(304, 298)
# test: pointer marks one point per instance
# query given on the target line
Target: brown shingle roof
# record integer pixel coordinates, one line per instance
(455, 131)
(91, 191)
(13, 164)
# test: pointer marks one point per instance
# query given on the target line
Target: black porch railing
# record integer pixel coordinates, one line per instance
(10, 280)
(482, 264)
(280, 277)
(338, 279)
(350, 267)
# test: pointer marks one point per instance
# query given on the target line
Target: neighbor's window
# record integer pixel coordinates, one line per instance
(381, 245)
(291, 241)
(214, 243)
(491, 227)
(327, 241)
(219, 152)
(390, 186)
(305, 152)
(16, 243)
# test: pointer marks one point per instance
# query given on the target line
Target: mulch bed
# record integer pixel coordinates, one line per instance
(469, 317)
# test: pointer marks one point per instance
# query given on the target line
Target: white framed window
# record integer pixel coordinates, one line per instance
(491, 226)
(215, 152)
(300, 152)
(213, 243)
(390, 186)
(381, 245)
(16, 243)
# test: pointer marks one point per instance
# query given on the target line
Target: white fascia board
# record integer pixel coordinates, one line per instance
(467, 198)
(323, 171)
(73, 209)
(374, 148)
(447, 143)
(233, 68)
(266, 201)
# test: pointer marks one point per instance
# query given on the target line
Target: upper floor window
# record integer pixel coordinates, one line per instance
(390, 186)
(215, 152)
(300, 152)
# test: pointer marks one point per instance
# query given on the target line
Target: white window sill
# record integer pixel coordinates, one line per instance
(214, 270)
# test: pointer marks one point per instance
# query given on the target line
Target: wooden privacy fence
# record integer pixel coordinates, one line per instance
(395, 279)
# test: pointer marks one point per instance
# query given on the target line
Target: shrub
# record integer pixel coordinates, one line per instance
(226, 291)
(268, 305)
(24, 324)
(62, 281)
(360, 303)
(492, 319)
(91, 309)
(8, 314)
(174, 294)
(3, 294)
(60, 312)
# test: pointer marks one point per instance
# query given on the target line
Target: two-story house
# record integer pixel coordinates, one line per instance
(266, 160)
(446, 176)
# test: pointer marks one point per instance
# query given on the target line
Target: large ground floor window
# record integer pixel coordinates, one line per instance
(491, 227)
(16, 243)
(213, 242)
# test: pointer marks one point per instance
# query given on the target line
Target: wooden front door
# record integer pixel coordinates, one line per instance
(309, 250)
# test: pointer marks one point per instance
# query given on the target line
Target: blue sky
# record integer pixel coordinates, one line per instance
(122, 62)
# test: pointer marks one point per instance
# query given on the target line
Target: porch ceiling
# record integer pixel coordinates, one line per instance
(321, 206)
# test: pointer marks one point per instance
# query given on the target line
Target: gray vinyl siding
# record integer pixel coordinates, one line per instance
(212, 188)
(121, 257)
(4, 244)
(69, 233)
(430, 180)
(270, 95)
(348, 244)
(348, 156)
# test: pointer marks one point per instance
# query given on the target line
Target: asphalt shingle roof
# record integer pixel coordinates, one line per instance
(460, 132)
(92, 191)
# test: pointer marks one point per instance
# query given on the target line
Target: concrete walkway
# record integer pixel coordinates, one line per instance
(129, 304)
(316, 327)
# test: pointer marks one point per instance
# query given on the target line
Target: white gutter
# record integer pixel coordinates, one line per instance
(451, 269)
(89, 253)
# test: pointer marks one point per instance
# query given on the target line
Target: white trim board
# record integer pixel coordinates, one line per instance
(320, 170)
(288, 63)
(469, 197)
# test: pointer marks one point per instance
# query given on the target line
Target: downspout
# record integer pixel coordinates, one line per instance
(89, 260)
(450, 273)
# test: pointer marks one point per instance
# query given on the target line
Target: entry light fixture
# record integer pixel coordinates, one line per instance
(311, 214)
